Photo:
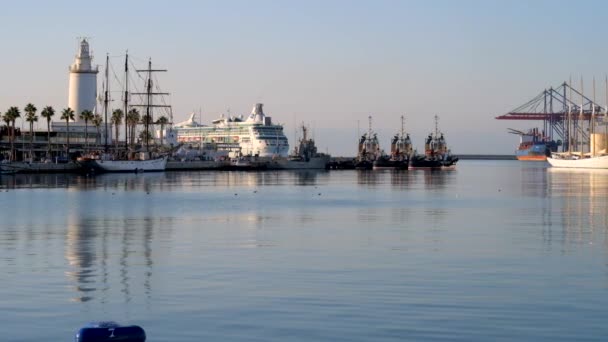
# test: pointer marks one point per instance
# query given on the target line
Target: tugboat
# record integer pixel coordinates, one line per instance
(401, 151)
(369, 149)
(436, 153)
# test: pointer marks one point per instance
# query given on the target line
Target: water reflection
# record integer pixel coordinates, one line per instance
(369, 178)
(102, 252)
(163, 181)
(436, 179)
(581, 197)
(402, 179)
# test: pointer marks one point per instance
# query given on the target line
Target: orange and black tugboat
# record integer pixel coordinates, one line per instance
(436, 153)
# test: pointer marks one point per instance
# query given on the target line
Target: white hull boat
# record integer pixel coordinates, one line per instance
(574, 162)
(148, 165)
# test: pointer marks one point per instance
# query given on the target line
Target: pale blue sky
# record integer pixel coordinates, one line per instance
(328, 63)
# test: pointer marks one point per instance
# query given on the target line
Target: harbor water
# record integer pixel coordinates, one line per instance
(492, 251)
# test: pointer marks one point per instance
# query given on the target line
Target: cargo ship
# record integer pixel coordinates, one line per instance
(533, 145)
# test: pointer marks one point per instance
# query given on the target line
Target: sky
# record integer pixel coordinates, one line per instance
(329, 64)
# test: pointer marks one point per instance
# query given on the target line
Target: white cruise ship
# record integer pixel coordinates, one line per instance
(255, 135)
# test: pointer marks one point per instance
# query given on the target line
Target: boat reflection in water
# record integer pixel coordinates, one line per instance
(583, 203)
(109, 258)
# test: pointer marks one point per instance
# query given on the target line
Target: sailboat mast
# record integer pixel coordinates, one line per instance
(592, 123)
(581, 115)
(126, 99)
(106, 101)
(149, 103)
(569, 114)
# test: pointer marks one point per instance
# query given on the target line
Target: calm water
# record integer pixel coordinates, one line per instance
(491, 251)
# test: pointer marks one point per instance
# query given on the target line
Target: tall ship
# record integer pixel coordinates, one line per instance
(576, 156)
(255, 135)
(533, 145)
(141, 158)
(401, 151)
(436, 153)
(368, 149)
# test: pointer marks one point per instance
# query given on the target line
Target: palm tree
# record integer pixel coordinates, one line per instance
(47, 113)
(67, 115)
(117, 115)
(97, 121)
(143, 137)
(162, 121)
(132, 120)
(146, 120)
(31, 117)
(87, 116)
(7, 120)
(13, 113)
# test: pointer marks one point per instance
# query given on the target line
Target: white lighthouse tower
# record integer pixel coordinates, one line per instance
(83, 81)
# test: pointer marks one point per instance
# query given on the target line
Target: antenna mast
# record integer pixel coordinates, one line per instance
(436, 125)
(402, 129)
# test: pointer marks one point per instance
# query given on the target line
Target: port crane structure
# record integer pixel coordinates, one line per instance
(566, 112)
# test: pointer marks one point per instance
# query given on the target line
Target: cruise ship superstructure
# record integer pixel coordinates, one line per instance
(255, 135)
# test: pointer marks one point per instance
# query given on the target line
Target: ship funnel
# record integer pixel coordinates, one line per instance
(257, 112)
(257, 109)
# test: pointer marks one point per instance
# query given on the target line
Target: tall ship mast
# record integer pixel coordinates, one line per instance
(148, 119)
(145, 160)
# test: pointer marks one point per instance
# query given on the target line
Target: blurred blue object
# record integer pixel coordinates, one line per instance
(110, 331)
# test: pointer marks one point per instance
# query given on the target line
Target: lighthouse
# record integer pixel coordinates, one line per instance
(83, 81)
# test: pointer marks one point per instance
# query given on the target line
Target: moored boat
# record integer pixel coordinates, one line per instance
(305, 155)
(142, 163)
(145, 159)
(368, 149)
(436, 156)
(401, 152)
(574, 161)
(533, 145)
(596, 157)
